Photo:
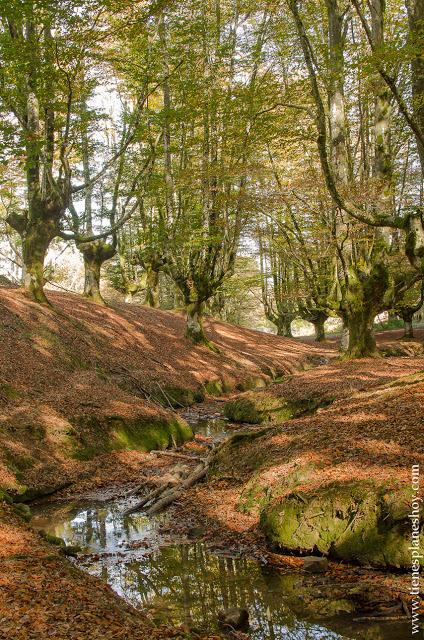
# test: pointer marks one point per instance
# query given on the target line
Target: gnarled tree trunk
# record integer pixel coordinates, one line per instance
(319, 329)
(152, 288)
(362, 342)
(284, 326)
(194, 328)
(95, 254)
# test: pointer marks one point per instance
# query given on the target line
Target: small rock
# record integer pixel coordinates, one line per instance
(315, 564)
(234, 617)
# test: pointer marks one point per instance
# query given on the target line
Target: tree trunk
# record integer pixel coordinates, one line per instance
(284, 327)
(319, 330)
(36, 240)
(361, 335)
(194, 328)
(95, 254)
(344, 339)
(416, 30)
(152, 289)
(408, 329)
(92, 279)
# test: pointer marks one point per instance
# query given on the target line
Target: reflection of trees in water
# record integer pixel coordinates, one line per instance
(197, 585)
(100, 527)
(185, 583)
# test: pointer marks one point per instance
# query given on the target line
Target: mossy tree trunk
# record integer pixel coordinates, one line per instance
(35, 243)
(319, 329)
(408, 328)
(37, 230)
(194, 328)
(364, 298)
(152, 288)
(95, 255)
(362, 342)
(284, 326)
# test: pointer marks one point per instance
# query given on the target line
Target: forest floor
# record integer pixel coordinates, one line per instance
(77, 379)
(56, 364)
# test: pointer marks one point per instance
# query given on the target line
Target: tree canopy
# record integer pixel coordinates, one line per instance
(192, 151)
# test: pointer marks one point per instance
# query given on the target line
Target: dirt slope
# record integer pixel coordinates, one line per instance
(75, 380)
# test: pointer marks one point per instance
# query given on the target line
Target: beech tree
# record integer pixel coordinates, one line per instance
(210, 126)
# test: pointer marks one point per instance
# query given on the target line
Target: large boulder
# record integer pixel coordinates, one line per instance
(356, 521)
(260, 407)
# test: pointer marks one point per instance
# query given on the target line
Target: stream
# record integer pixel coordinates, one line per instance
(184, 581)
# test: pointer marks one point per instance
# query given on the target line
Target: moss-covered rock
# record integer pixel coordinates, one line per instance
(257, 408)
(256, 495)
(252, 383)
(112, 433)
(70, 550)
(176, 397)
(229, 453)
(356, 521)
(213, 387)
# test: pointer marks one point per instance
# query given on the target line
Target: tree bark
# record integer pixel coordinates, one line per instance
(408, 329)
(284, 327)
(362, 342)
(35, 246)
(36, 231)
(416, 29)
(152, 289)
(95, 254)
(344, 339)
(194, 328)
(319, 330)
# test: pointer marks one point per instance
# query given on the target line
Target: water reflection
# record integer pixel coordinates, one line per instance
(207, 426)
(187, 583)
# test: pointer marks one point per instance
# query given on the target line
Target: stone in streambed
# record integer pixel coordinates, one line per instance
(315, 564)
(234, 618)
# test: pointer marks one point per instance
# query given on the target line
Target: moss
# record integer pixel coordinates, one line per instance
(26, 494)
(19, 462)
(70, 551)
(55, 540)
(260, 407)
(213, 387)
(176, 397)
(356, 521)
(252, 383)
(9, 392)
(256, 496)
(223, 461)
(116, 433)
(5, 497)
(23, 511)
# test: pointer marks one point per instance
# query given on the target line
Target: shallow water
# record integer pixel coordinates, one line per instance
(211, 427)
(185, 582)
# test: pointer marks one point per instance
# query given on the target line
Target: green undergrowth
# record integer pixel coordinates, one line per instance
(95, 436)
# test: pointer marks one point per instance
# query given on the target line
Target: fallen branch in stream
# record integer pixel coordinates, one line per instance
(174, 454)
(176, 492)
(148, 498)
(166, 494)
